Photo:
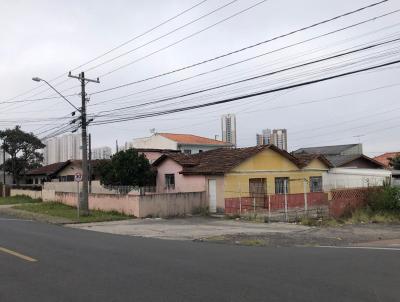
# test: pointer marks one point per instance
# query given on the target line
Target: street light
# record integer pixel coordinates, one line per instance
(37, 79)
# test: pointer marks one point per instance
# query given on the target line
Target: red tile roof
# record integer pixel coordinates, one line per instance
(385, 157)
(49, 169)
(190, 139)
(222, 160)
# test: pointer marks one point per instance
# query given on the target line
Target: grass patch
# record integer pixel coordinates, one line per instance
(18, 200)
(64, 211)
(369, 216)
(327, 222)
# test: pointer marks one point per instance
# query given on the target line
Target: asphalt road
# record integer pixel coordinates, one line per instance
(78, 265)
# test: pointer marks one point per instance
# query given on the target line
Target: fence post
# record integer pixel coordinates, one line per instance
(240, 201)
(305, 197)
(269, 208)
(286, 208)
(254, 205)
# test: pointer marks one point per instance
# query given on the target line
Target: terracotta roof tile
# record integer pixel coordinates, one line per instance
(191, 139)
(49, 169)
(384, 159)
(219, 161)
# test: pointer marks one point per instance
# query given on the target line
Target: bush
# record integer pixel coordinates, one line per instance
(384, 199)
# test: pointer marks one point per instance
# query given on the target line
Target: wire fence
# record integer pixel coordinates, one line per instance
(279, 207)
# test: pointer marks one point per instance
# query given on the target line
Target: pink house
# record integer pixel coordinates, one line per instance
(153, 154)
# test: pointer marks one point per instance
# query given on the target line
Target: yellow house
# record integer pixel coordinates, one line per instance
(254, 172)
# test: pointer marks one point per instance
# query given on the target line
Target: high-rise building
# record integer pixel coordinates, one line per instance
(63, 148)
(101, 153)
(277, 137)
(259, 139)
(264, 138)
(228, 127)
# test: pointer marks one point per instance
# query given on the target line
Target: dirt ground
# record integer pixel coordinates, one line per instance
(202, 229)
(378, 235)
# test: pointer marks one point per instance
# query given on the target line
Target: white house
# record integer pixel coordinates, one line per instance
(186, 143)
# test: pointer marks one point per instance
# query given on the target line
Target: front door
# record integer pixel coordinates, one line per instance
(212, 195)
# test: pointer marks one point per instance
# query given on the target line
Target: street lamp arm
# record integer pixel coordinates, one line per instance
(59, 93)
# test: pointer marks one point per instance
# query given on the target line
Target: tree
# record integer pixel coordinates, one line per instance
(126, 168)
(395, 162)
(23, 148)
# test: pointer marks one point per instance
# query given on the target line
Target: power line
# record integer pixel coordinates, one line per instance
(255, 77)
(185, 38)
(164, 35)
(265, 42)
(113, 49)
(225, 55)
(249, 95)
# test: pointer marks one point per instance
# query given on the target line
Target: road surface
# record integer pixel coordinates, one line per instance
(44, 262)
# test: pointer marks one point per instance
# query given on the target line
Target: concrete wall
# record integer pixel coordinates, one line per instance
(30, 193)
(192, 183)
(72, 187)
(154, 142)
(166, 205)
(341, 178)
(156, 205)
(126, 204)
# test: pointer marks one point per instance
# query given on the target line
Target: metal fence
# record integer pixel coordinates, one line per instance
(279, 207)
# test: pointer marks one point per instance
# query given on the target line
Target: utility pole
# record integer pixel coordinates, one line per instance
(4, 171)
(84, 201)
(90, 164)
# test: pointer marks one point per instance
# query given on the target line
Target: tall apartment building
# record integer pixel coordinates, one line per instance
(228, 128)
(101, 153)
(63, 148)
(277, 137)
(264, 138)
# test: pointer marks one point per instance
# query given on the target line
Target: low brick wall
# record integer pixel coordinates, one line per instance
(346, 201)
(276, 202)
(155, 205)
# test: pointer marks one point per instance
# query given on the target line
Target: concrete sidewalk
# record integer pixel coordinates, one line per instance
(187, 228)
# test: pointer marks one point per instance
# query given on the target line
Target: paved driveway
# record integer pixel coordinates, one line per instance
(187, 228)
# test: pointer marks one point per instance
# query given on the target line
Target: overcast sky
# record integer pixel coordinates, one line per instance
(49, 38)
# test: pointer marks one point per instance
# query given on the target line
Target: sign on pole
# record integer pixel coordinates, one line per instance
(78, 177)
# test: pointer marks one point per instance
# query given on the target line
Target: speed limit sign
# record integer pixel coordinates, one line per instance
(78, 177)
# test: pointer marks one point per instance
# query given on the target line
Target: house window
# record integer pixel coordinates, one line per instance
(316, 184)
(170, 181)
(281, 185)
(187, 151)
(258, 189)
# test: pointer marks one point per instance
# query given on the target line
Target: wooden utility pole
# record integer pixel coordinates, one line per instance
(84, 201)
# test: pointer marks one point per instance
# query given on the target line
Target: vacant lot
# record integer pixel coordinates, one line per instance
(247, 233)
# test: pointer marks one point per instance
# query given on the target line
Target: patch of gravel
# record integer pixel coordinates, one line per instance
(346, 235)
